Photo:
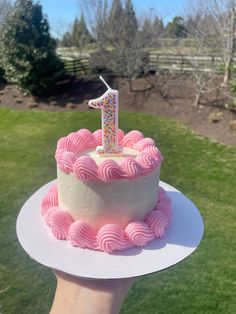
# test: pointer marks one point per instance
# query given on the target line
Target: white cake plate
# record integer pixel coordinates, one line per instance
(181, 239)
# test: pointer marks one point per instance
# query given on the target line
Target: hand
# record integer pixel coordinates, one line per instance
(75, 295)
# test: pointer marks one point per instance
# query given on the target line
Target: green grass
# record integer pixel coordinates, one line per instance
(203, 170)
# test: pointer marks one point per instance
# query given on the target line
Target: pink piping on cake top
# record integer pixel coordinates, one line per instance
(86, 169)
(110, 237)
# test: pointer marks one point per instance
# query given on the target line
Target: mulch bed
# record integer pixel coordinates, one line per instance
(172, 97)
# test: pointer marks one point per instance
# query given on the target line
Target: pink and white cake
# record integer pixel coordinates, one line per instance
(107, 203)
(107, 195)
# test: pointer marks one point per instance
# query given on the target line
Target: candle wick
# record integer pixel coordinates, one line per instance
(102, 79)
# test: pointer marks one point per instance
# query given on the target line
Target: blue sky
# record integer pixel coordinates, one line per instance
(61, 13)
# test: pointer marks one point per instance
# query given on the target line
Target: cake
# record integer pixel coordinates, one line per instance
(107, 202)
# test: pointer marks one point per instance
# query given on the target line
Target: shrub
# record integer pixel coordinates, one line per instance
(2, 72)
(29, 57)
(1, 75)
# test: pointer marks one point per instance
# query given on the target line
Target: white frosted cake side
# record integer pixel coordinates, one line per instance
(99, 203)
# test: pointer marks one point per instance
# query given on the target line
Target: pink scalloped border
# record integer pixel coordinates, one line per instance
(110, 237)
(86, 169)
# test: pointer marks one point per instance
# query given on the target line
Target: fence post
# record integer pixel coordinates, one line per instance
(157, 61)
(212, 63)
(74, 67)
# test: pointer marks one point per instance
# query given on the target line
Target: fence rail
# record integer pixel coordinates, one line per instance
(185, 63)
(77, 66)
(80, 65)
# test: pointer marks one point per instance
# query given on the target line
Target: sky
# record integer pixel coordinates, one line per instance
(61, 13)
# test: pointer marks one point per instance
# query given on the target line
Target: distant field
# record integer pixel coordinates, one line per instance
(165, 45)
(205, 171)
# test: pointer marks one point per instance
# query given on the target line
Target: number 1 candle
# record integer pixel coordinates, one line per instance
(108, 103)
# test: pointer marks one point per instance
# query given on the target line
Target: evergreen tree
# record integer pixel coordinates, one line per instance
(29, 57)
(81, 36)
(176, 28)
(129, 25)
(115, 21)
(158, 26)
(101, 22)
(146, 33)
(75, 36)
(127, 56)
(5, 7)
(151, 31)
(66, 40)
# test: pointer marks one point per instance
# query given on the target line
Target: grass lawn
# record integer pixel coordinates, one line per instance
(203, 170)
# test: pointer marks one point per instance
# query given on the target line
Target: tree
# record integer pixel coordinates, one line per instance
(114, 21)
(4, 10)
(29, 57)
(216, 20)
(151, 31)
(66, 40)
(126, 54)
(176, 28)
(158, 26)
(147, 32)
(202, 27)
(229, 51)
(129, 25)
(80, 36)
(96, 16)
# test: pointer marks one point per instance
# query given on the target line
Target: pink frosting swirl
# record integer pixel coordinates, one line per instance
(131, 168)
(120, 135)
(65, 143)
(82, 234)
(144, 143)
(85, 168)
(98, 137)
(49, 200)
(112, 237)
(65, 160)
(161, 192)
(77, 140)
(131, 138)
(53, 189)
(49, 214)
(166, 209)
(109, 170)
(60, 222)
(164, 199)
(139, 233)
(158, 222)
(153, 151)
(87, 138)
(147, 162)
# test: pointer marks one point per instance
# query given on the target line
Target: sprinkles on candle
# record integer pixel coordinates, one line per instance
(109, 105)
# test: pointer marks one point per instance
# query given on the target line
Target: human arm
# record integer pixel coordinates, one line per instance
(88, 296)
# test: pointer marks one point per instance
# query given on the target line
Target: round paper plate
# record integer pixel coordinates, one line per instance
(181, 239)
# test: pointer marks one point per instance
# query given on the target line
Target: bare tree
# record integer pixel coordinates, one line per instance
(230, 34)
(119, 46)
(96, 16)
(215, 21)
(150, 28)
(211, 27)
(61, 27)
